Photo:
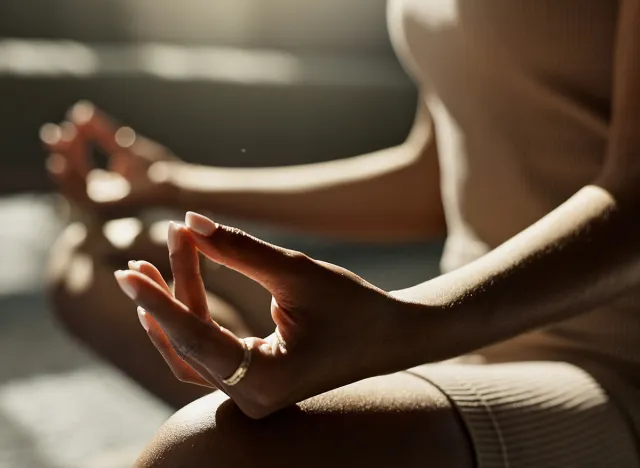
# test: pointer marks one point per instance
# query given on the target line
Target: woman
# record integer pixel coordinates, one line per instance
(537, 106)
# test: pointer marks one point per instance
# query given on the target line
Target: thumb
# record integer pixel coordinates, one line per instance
(272, 266)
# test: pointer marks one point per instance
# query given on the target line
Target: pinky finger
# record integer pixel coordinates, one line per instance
(180, 369)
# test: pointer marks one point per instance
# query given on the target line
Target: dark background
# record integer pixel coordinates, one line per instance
(349, 94)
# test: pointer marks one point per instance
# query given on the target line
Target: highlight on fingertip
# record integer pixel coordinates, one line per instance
(142, 316)
(50, 133)
(82, 112)
(200, 224)
(172, 236)
(125, 284)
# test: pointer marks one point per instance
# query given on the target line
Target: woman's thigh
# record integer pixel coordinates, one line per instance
(511, 415)
(398, 420)
(540, 414)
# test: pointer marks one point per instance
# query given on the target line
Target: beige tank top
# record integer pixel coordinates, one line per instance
(520, 93)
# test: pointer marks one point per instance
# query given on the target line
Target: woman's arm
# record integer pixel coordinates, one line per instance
(387, 195)
(334, 328)
(583, 254)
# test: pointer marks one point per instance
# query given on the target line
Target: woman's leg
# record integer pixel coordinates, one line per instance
(87, 300)
(526, 414)
(397, 420)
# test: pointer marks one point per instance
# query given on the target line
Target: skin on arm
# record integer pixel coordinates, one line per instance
(583, 254)
(337, 328)
(392, 194)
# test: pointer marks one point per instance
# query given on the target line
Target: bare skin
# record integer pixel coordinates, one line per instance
(364, 424)
(580, 255)
(81, 272)
(393, 419)
(136, 181)
(344, 199)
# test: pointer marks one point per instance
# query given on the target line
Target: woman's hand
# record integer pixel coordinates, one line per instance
(332, 327)
(133, 180)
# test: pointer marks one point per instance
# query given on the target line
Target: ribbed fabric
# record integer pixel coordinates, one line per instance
(520, 92)
(536, 415)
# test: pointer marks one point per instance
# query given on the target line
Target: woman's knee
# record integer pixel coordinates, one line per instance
(370, 423)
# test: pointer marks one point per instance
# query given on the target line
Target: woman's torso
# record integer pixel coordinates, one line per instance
(520, 93)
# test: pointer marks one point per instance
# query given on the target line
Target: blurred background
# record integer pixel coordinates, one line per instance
(224, 82)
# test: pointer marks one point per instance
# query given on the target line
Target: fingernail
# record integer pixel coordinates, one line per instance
(172, 237)
(125, 284)
(200, 224)
(50, 133)
(82, 112)
(134, 265)
(142, 316)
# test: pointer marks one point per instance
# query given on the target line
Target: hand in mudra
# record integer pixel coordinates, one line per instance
(132, 180)
(332, 327)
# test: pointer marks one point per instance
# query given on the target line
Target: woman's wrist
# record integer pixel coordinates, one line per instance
(168, 175)
(431, 330)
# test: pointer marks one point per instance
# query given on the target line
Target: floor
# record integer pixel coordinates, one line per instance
(60, 407)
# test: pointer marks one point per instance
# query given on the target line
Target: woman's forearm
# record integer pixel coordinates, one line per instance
(583, 254)
(390, 194)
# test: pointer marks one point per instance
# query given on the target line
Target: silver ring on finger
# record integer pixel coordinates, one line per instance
(242, 369)
(281, 343)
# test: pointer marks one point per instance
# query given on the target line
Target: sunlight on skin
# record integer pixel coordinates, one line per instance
(82, 112)
(440, 14)
(50, 133)
(76, 234)
(72, 237)
(80, 274)
(125, 137)
(56, 163)
(122, 233)
(158, 232)
(104, 186)
(196, 410)
(159, 172)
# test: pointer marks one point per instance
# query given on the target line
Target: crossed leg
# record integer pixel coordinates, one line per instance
(396, 420)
